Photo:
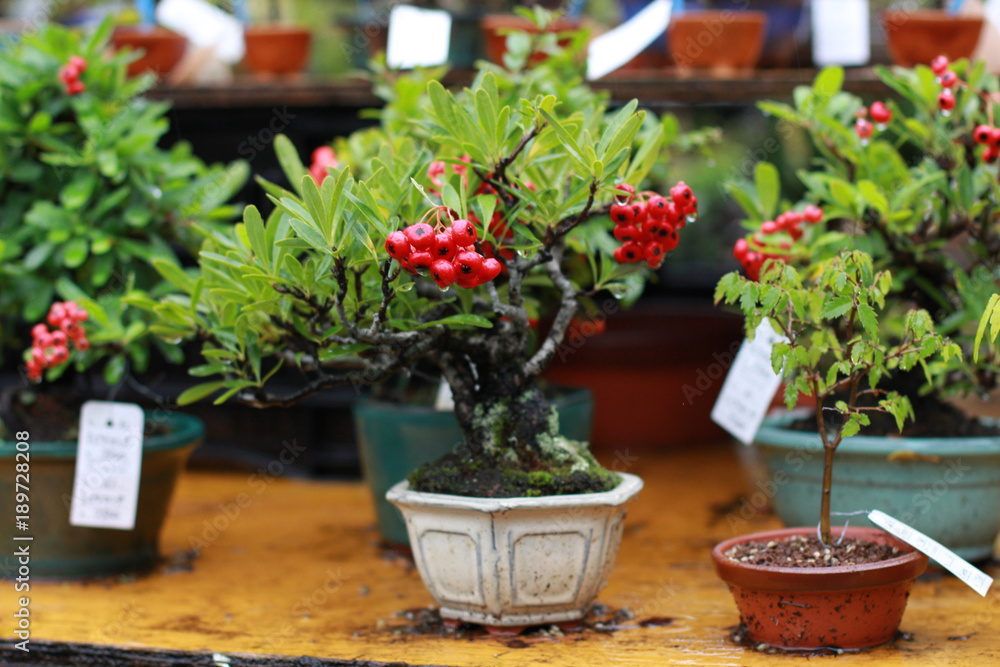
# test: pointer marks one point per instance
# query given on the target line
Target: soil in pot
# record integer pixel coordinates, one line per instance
(722, 41)
(276, 50)
(917, 37)
(856, 603)
(162, 49)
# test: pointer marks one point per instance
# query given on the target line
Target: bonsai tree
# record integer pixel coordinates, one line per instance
(435, 241)
(910, 186)
(89, 205)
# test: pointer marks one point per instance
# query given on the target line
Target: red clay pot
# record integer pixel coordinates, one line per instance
(916, 38)
(163, 48)
(717, 39)
(496, 26)
(850, 607)
(276, 49)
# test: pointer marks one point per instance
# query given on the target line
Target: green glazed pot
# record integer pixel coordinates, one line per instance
(947, 488)
(62, 551)
(395, 439)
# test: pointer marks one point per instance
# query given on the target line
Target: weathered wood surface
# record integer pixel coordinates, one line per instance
(296, 571)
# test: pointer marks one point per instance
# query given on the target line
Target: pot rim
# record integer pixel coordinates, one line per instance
(773, 433)
(741, 16)
(365, 403)
(276, 30)
(924, 16)
(402, 496)
(184, 430)
(843, 577)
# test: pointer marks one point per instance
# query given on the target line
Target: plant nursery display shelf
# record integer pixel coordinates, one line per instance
(653, 88)
(286, 569)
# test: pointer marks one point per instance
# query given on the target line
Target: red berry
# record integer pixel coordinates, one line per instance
(638, 212)
(946, 100)
(491, 269)
(795, 232)
(670, 240)
(626, 233)
(619, 255)
(82, 344)
(949, 79)
(420, 236)
(38, 355)
(657, 207)
(681, 193)
(812, 214)
(863, 128)
(56, 313)
(74, 331)
(38, 330)
(740, 249)
(421, 259)
(445, 247)
(68, 74)
(990, 154)
(59, 338)
(443, 273)
(675, 214)
(769, 227)
(79, 63)
(60, 354)
(44, 341)
(75, 87)
(939, 65)
(660, 231)
(691, 210)
(995, 136)
(880, 113)
(653, 253)
(983, 134)
(464, 232)
(752, 265)
(468, 264)
(397, 245)
(628, 192)
(622, 214)
(632, 252)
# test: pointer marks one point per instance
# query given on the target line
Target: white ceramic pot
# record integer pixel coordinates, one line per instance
(514, 561)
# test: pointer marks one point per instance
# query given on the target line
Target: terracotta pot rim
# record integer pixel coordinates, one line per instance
(742, 16)
(925, 16)
(500, 21)
(275, 30)
(154, 32)
(845, 577)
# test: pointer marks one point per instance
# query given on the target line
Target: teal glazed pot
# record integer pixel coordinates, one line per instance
(61, 551)
(947, 488)
(394, 439)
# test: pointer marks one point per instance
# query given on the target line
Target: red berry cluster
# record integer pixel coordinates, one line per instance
(50, 348)
(647, 225)
(448, 252)
(948, 80)
(790, 223)
(322, 158)
(879, 113)
(70, 73)
(989, 138)
(436, 170)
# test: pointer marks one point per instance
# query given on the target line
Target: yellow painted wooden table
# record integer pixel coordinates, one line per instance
(292, 568)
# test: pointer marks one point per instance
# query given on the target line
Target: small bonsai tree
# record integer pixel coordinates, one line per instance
(436, 240)
(89, 205)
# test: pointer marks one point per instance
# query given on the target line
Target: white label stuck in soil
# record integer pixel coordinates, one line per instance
(109, 460)
(976, 579)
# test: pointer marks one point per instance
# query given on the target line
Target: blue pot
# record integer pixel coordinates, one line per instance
(947, 488)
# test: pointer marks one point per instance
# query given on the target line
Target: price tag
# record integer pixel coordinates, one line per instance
(974, 578)
(992, 12)
(614, 48)
(108, 463)
(749, 387)
(418, 37)
(841, 32)
(204, 25)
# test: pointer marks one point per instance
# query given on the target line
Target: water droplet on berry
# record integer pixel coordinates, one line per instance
(865, 142)
(691, 217)
(880, 127)
(945, 113)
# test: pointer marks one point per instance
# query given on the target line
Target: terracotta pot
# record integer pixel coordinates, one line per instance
(496, 26)
(916, 38)
(277, 49)
(852, 606)
(162, 48)
(717, 40)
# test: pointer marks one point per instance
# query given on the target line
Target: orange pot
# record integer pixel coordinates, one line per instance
(276, 50)
(916, 38)
(162, 49)
(496, 26)
(851, 606)
(717, 39)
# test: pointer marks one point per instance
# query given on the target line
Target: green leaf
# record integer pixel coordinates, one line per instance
(458, 321)
(199, 391)
(868, 319)
(257, 235)
(991, 307)
(288, 158)
(75, 252)
(829, 82)
(768, 183)
(837, 307)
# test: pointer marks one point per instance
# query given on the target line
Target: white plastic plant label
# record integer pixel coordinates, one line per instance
(445, 401)
(418, 37)
(749, 387)
(205, 25)
(976, 579)
(614, 48)
(841, 32)
(109, 460)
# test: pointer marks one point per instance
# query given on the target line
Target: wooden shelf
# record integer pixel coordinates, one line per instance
(296, 571)
(653, 88)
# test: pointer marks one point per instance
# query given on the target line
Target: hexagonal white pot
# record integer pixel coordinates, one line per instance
(514, 561)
